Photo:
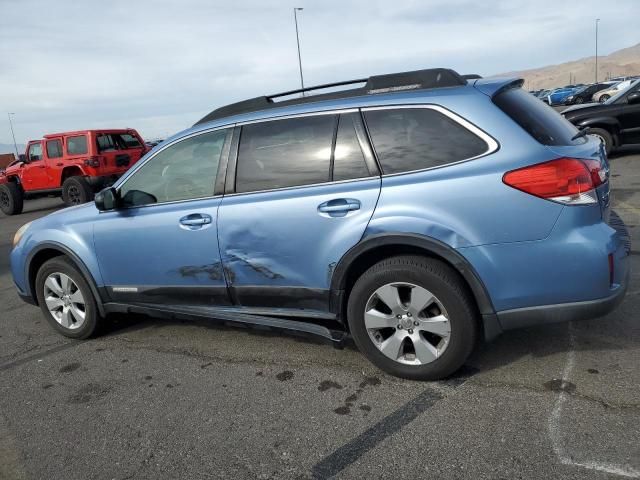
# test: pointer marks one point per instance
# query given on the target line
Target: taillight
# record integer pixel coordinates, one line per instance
(566, 180)
(92, 162)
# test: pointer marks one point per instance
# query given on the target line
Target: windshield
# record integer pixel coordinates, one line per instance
(622, 93)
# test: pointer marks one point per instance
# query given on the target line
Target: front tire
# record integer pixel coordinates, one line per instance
(11, 198)
(604, 98)
(604, 136)
(413, 317)
(76, 191)
(66, 300)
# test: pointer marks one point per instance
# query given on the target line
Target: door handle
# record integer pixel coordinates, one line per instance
(195, 221)
(339, 207)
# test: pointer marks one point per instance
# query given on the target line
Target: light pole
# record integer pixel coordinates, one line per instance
(295, 19)
(15, 145)
(597, 21)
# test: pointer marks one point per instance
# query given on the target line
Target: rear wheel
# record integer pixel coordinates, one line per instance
(11, 198)
(65, 299)
(75, 191)
(604, 136)
(413, 317)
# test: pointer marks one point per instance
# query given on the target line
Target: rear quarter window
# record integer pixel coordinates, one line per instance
(409, 139)
(539, 120)
(77, 145)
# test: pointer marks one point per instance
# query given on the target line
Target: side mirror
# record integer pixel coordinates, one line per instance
(106, 199)
(633, 98)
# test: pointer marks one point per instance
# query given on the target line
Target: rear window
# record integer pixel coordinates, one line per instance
(539, 120)
(408, 139)
(77, 145)
(117, 141)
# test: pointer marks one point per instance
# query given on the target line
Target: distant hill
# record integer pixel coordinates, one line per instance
(8, 148)
(620, 63)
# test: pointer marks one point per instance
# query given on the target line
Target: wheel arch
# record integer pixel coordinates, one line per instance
(609, 124)
(46, 251)
(71, 171)
(377, 247)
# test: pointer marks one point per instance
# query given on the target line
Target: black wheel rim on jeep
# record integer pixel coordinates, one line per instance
(73, 193)
(4, 199)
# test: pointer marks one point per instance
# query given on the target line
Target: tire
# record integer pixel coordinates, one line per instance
(605, 136)
(11, 198)
(75, 191)
(604, 98)
(452, 302)
(578, 100)
(67, 319)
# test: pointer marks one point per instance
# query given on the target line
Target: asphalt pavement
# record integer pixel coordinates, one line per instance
(160, 399)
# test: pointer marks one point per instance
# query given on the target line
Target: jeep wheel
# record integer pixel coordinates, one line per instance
(11, 198)
(65, 299)
(76, 190)
(604, 136)
(413, 317)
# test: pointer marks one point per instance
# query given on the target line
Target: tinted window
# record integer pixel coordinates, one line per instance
(348, 159)
(129, 141)
(407, 139)
(183, 171)
(35, 152)
(54, 148)
(105, 142)
(539, 120)
(284, 153)
(77, 145)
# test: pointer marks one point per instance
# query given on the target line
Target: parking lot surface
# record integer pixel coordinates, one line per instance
(158, 399)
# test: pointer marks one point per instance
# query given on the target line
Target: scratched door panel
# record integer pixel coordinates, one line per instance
(279, 250)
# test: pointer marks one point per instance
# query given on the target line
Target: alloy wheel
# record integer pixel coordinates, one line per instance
(407, 323)
(74, 195)
(64, 300)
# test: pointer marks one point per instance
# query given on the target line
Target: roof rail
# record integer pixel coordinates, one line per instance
(418, 79)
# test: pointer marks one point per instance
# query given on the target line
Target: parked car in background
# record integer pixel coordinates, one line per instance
(584, 94)
(616, 122)
(604, 95)
(72, 164)
(559, 95)
(418, 213)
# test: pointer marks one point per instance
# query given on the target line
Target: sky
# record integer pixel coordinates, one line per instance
(158, 66)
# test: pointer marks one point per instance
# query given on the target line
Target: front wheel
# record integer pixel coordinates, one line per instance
(604, 136)
(11, 198)
(604, 98)
(413, 317)
(66, 300)
(578, 100)
(75, 191)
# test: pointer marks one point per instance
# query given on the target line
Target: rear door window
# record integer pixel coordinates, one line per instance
(408, 139)
(540, 121)
(54, 148)
(77, 145)
(285, 153)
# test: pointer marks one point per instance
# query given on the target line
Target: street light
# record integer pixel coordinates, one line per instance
(15, 145)
(597, 21)
(295, 19)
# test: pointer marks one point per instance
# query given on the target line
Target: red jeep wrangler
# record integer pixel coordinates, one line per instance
(73, 164)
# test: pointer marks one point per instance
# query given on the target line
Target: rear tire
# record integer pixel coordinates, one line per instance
(66, 300)
(11, 198)
(408, 340)
(76, 191)
(604, 136)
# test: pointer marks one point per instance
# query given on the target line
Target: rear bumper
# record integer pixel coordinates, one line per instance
(564, 312)
(103, 181)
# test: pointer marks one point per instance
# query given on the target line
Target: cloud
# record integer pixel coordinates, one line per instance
(160, 65)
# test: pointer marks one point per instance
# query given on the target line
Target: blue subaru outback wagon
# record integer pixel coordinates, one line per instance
(417, 212)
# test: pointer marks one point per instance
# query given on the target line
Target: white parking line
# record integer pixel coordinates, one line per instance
(554, 424)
